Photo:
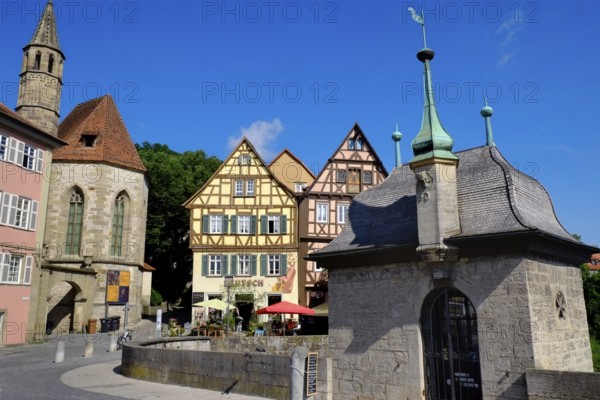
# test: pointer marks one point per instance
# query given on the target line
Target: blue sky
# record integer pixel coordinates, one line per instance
(298, 74)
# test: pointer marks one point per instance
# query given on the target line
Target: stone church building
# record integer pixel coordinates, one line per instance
(93, 251)
(454, 279)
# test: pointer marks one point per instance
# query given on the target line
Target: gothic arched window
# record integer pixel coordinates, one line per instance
(38, 61)
(50, 63)
(74, 223)
(116, 243)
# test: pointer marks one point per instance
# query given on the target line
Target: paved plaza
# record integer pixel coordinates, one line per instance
(29, 371)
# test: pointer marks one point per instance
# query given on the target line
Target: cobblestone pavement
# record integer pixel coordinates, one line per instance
(29, 372)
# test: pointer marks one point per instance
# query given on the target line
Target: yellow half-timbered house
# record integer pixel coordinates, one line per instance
(243, 223)
(353, 167)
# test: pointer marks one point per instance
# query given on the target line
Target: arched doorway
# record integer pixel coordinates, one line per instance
(452, 366)
(61, 308)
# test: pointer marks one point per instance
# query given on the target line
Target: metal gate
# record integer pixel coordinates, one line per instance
(452, 369)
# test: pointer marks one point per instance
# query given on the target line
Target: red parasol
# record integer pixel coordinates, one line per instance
(285, 307)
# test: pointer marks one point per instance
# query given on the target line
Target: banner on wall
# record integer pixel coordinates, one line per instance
(117, 286)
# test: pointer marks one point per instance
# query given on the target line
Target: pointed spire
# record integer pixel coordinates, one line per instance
(432, 141)
(486, 113)
(46, 33)
(397, 136)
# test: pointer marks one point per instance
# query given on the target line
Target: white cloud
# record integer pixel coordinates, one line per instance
(505, 58)
(508, 31)
(262, 135)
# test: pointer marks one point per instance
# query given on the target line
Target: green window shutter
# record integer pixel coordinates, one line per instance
(283, 264)
(225, 224)
(253, 224)
(234, 224)
(233, 265)
(204, 265)
(263, 264)
(263, 224)
(283, 223)
(205, 223)
(253, 265)
(224, 265)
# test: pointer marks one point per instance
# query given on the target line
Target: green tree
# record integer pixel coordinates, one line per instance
(172, 178)
(591, 292)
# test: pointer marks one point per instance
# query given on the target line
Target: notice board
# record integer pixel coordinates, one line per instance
(117, 286)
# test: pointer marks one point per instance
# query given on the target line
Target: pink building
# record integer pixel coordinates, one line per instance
(25, 159)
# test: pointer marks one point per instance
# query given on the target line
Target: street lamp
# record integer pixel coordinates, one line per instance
(228, 284)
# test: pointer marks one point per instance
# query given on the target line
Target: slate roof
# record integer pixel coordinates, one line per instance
(493, 198)
(101, 118)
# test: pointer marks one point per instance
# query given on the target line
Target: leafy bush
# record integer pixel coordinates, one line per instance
(156, 298)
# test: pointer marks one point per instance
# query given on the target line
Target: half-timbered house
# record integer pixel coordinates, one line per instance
(243, 223)
(353, 167)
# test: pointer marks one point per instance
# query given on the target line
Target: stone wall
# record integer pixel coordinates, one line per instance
(562, 385)
(375, 331)
(253, 373)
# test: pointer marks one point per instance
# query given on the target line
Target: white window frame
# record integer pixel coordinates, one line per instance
(215, 224)
(239, 187)
(214, 265)
(3, 147)
(28, 157)
(274, 265)
(342, 213)
(322, 212)
(11, 269)
(243, 224)
(276, 219)
(19, 212)
(243, 264)
(250, 187)
(368, 181)
(244, 159)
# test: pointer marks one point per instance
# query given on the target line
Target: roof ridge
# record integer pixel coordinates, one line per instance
(497, 157)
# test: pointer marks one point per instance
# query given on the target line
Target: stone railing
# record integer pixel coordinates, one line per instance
(258, 366)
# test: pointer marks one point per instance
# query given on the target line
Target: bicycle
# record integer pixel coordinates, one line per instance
(124, 337)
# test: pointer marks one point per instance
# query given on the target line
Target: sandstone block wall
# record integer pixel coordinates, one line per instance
(252, 373)
(562, 385)
(375, 331)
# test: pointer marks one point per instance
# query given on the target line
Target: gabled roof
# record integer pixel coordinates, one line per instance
(354, 132)
(23, 125)
(289, 181)
(223, 165)
(46, 33)
(493, 198)
(100, 118)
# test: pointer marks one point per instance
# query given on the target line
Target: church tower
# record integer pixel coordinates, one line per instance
(40, 85)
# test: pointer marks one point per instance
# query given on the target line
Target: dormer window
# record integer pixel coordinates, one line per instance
(88, 140)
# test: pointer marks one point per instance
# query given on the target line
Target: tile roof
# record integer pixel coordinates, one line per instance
(100, 118)
(7, 112)
(493, 197)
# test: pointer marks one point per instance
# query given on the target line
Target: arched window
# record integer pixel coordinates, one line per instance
(116, 244)
(75, 223)
(449, 326)
(38, 61)
(50, 63)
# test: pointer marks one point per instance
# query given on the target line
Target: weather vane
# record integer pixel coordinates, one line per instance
(421, 20)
